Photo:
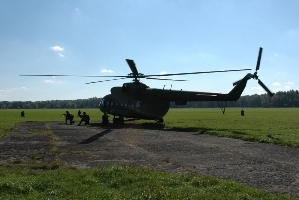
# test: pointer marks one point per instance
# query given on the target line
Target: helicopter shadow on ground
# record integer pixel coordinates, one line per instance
(156, 126)
(95, 137)
(110, 127)
(150, 126)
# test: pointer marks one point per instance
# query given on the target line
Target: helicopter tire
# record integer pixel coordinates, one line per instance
(115, 120)
(105, 122)
(160, 121)
(121, 120)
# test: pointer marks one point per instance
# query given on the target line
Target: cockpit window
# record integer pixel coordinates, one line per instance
(103, 102)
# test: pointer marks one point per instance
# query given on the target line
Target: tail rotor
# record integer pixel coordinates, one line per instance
(255, 76)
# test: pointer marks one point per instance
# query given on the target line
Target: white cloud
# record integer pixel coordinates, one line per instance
(287, 87)
(106, 71)
(77, 11)
(51, 82)
(57, 48)
(276, 84)
(292, 34)
(5, 92)
(281, 73)
(163, 72)
(61, 55)
(258, 90)
(276, 55)
(290, 83)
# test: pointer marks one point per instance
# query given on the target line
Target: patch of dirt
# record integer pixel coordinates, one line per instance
(271, 167)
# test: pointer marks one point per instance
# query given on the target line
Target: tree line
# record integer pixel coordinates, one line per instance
(52, 104)
(280, 99)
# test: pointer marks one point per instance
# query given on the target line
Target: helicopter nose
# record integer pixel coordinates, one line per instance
(101, 106)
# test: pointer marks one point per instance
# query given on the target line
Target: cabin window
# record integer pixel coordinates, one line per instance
(103, 102)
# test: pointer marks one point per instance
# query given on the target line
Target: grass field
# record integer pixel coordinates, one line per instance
(55, 181)
(52, 181)
(268, 125)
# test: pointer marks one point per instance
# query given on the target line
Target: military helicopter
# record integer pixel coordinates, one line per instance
(136, 100)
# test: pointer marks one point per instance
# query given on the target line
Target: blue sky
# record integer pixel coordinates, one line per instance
(162, 36)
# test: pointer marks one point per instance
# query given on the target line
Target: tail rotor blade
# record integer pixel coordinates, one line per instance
(259, 59)
(265, 88)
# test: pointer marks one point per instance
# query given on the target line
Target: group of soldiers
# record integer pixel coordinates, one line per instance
(84, 118)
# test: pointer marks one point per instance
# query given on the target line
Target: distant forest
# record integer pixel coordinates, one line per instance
(279, 100)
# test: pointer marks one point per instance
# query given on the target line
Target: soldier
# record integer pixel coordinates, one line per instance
(84, 118)
(69, 116)
(105, 120)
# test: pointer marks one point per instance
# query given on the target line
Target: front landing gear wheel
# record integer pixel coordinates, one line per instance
(105, 120)
(160, 121)
(121, 121)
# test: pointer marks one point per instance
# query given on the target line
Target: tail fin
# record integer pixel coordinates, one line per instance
(236, 92)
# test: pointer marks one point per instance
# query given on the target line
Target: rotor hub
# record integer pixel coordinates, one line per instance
(255, 76)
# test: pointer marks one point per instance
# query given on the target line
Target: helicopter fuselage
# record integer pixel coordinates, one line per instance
(127, 102)
(137, 100)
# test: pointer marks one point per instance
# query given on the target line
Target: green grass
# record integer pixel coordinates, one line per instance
(268, 125)
(53, 181)
(10, 118)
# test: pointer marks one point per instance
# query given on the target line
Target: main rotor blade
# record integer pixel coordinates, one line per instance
(259, 59)
(105, 80)
(44, 75)
(141, 76)
(132, 66)
(78, 76)
(265, 87)
(165, 79)
(178, 74)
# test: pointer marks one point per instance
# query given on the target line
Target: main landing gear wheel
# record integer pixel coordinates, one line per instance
(105, 120)
(119, 120)
(160, 121)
